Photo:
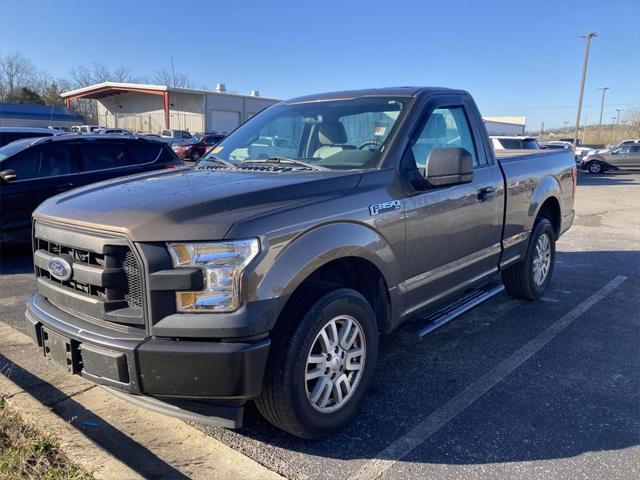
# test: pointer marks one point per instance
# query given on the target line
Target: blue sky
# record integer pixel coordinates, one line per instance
(515, 57)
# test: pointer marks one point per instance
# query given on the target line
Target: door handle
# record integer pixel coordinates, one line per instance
(486, 194)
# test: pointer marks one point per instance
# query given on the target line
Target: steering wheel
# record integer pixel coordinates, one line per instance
(368, 143)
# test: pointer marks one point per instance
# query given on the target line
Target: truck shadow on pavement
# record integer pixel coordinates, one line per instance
(118, 444)
(577, 394)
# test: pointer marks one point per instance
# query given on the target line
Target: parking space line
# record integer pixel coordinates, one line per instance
(400, 448)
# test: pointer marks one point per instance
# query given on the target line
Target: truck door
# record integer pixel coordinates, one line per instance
(453, 232)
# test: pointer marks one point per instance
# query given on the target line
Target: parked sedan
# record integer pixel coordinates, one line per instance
(194, 148)
(623, 157)
(32, 170)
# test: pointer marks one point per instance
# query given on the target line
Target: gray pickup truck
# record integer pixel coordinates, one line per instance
(269, 279)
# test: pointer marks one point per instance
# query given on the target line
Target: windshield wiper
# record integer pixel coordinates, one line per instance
(288, 160)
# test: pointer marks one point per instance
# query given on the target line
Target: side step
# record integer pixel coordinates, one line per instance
(419, 328)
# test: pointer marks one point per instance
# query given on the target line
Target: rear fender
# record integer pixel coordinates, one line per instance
(548, 187)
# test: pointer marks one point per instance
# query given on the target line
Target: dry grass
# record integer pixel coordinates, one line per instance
(25, 453)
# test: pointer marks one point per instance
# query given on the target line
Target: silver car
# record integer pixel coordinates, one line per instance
(623, 157)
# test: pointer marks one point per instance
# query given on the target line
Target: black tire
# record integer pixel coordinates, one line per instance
(284, 401)
(518, 279)
(195, 156)
(595, 167)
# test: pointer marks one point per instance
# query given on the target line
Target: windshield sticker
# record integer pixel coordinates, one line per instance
(379, 131)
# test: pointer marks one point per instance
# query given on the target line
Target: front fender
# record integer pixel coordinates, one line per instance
(319, 246)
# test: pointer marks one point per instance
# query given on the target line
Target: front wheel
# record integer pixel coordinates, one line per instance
(595, 167)
(320, 365)
(195, 156)
(530, 278)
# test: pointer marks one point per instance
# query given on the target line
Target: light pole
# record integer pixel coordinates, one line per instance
(615, 128)
(566, 124)
(588, 37)
(604, 90)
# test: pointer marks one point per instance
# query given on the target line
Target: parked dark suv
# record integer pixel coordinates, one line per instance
(34, 169)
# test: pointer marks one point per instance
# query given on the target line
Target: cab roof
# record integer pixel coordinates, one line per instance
(373, 92)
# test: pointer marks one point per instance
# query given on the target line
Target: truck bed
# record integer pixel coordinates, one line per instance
(524, 172)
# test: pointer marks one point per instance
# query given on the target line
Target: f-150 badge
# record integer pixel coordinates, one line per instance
(378, 208)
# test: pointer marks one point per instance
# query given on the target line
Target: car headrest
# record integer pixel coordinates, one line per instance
(332, 133)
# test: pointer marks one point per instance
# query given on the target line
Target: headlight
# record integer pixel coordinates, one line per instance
(222, 264)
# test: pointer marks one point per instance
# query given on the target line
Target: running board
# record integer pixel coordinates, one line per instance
(421, 327)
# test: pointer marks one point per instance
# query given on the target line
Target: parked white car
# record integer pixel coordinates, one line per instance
(112, 131)
(265, 147)
(174, 136)
(513, 142)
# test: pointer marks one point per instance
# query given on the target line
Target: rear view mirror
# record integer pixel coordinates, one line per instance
(7, 175)
(448, 166)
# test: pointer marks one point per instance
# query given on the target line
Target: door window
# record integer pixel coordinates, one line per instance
(42, 161)
(144, 153)
(101, 156)
(447, 127)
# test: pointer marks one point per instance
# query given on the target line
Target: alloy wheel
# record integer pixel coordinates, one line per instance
(335, 364)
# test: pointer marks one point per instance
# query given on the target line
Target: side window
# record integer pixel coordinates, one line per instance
(26, 164)
(144, 153)
(166, 133)
(42, 161)
(635, 149)
(186, 135)
(100, 156)
(446, 128)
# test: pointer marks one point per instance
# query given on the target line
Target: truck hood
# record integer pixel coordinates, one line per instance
(188, 205)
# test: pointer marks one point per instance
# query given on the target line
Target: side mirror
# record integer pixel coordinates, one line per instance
(8, 175)
(448, 166)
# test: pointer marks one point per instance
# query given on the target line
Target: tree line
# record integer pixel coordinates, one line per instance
(22, 82)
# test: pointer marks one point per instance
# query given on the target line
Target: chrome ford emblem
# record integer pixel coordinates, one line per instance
(59, 268)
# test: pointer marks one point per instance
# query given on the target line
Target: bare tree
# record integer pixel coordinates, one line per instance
(633, 122)
(15, 72)
(165, 77)
(83, 76)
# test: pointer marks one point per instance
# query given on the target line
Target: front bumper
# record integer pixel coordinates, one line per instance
(170, 370)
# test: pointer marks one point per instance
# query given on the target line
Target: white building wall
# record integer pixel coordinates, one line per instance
(145, 112)
(225, 111)
(195, 112)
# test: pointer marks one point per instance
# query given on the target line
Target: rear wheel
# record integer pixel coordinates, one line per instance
(196, 156)
(530, 278)
(595, 167)
(320, 365)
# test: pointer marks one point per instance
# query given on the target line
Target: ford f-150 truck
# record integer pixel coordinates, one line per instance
(194, 291)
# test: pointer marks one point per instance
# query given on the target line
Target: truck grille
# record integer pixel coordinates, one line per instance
(106, 283)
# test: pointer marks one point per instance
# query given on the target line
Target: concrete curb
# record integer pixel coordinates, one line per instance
(76, 446)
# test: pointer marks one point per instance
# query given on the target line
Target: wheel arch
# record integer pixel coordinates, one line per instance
(342, 254)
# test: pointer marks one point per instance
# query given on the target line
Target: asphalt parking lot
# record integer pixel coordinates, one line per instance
(512, 389)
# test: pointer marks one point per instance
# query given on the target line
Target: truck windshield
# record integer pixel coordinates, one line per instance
(336, 134)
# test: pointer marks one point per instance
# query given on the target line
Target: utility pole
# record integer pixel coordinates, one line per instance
(173, 73)
(588, 38)
(566, 125)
